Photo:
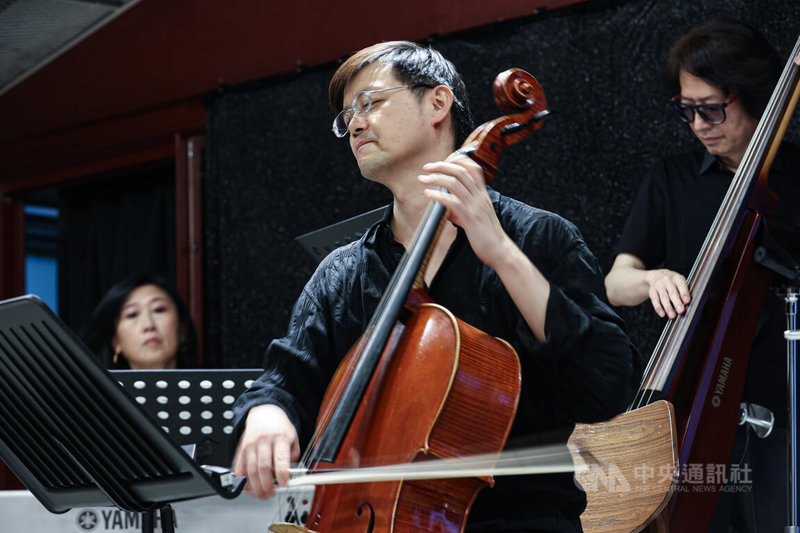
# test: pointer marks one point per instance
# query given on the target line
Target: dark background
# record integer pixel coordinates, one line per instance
(275, 171)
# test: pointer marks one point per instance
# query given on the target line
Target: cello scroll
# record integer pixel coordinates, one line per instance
(515, 92)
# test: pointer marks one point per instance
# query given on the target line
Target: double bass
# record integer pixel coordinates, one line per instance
(418, 383)
(688, 406)
(699, 363)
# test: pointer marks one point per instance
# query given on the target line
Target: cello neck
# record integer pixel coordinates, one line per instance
(377, 334)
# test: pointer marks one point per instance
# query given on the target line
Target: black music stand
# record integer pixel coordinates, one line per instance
(321, 242)
(195, 407)
(73, 436)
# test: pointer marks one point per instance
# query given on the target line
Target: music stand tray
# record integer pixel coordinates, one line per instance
(70, 432)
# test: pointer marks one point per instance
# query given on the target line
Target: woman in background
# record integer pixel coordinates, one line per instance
(141, 323)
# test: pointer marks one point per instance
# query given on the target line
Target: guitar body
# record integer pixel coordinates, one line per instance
(628, 467)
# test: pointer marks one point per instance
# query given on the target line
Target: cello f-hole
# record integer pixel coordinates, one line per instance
(360, 511)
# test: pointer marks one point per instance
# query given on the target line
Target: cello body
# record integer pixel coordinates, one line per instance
(404, 418)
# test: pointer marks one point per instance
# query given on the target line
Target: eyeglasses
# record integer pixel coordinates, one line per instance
(711, 113)
(362, 103)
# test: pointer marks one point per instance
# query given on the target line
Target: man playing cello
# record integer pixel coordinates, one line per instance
(514, 271)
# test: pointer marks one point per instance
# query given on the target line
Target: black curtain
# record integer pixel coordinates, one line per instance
(110, 229)
(276, 171)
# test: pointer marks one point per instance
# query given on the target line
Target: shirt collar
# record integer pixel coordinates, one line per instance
(709, 162)
(380, 228)
(384, 227)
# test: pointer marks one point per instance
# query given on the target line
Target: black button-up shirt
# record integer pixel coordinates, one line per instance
(586, 370)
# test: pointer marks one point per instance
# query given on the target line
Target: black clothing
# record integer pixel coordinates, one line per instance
(674, 209)
(586, 370)
(679, 198)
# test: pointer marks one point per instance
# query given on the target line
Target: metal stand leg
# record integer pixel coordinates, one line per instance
(167, 519)
(148, 522)
(792, 335)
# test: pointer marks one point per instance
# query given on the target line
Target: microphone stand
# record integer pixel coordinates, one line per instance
(792, 335)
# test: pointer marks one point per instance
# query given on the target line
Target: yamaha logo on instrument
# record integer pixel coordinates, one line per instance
(722, 379)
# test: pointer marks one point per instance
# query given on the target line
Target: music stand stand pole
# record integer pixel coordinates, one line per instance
(167, 520)
(792, 335)
(148, 520)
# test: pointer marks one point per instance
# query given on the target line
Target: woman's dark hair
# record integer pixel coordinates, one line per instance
(729, 55)
(105, 317)
(412, 64)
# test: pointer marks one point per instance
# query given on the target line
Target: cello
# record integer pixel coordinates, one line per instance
(700, 361)
(419, 368)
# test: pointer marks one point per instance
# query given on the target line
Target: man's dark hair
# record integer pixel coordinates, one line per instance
(103, 324)
(729, 55)
(412, 64)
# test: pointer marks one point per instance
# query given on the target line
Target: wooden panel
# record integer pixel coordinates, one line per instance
(189, 230)
(161, 52)
(12, 248)
(99, 146)
(12, 281)
(627, 466)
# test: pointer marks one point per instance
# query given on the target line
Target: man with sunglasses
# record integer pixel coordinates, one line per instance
(722, 74)
(511, 270)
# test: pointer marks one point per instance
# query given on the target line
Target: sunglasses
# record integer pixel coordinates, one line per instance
(711, 113)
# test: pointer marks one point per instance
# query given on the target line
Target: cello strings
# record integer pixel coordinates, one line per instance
(312, 455)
